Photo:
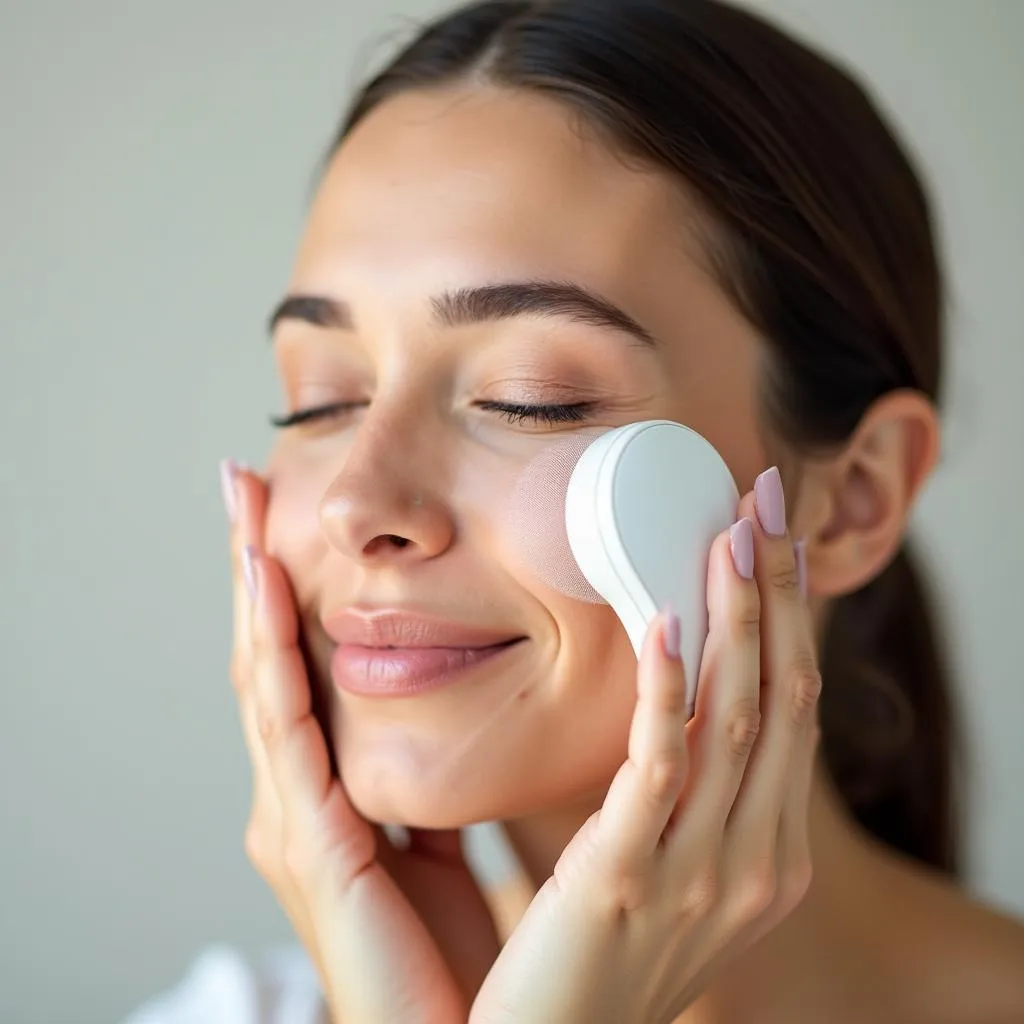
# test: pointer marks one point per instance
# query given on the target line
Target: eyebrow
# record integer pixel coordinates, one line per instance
(484, 304)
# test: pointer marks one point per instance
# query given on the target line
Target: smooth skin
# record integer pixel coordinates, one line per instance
(466, 187)
(648, 909)
(316, 851)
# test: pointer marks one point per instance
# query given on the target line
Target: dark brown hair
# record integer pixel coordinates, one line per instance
(825, 242)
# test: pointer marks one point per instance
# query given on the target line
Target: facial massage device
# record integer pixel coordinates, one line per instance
(643, 505)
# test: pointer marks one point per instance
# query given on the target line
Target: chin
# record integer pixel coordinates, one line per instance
(395, 787)
(394, 784)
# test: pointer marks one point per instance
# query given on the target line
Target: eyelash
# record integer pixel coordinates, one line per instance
(575, 412)
(317, 412)
(548, 414)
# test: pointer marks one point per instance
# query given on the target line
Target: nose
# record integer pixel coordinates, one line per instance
(378, 511)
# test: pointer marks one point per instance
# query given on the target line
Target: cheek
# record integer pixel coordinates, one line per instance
(293, 531)
(593, 693)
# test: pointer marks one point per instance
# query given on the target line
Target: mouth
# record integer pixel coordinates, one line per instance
(399, 654)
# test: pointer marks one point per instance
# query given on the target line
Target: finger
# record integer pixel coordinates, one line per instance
(794, 846)
(245, 497)
(727, 717)
(790, 872)
(247, 513)
(317, 813)
(789, 669)
(645, 789)
(289, 735)
(229, 471)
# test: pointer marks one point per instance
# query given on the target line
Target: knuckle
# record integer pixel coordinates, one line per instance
(672, 699)
(664, 777)
(804, 691)
(240, 674)
(784, 579)
(259, 639)
(700, 897)
(742, 725)
(357, 848)
(756, 895)
(746, 621)
(258, 850)
(268, 727)
(628, 894)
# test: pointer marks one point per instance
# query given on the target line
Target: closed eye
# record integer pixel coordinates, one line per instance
(317, 412)
(575, 412)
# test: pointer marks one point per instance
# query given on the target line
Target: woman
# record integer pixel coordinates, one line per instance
(545, 217)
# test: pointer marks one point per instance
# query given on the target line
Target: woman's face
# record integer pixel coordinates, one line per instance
(396, 511)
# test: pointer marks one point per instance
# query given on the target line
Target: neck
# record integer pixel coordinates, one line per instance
(774, 972)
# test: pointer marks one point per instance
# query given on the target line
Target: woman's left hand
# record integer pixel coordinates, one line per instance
(701, 845)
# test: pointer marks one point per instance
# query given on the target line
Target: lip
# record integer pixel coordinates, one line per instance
(391, 653)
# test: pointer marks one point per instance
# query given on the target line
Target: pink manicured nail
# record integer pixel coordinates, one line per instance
(249, 555)
(800, 552)
(227, 487)
(741, 544)
(672, 633)
(770, 502)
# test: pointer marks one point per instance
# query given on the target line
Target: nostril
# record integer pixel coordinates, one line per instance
(396, 541)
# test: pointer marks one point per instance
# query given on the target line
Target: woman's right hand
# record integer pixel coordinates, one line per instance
(395, 935)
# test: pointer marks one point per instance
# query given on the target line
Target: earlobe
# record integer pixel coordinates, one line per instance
(869, 491)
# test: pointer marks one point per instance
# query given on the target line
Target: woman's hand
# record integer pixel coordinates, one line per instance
(701, 845)
(395, 935)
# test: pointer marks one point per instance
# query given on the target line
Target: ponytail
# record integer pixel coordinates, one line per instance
(887, 717)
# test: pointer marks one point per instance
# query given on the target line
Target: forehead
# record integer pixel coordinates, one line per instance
(482, 181)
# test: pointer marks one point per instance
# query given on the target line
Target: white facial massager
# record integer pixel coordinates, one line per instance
(642, 508)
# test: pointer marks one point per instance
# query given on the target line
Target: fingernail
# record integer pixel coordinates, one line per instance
(770, 502)
(249, 555)
(741, 544)
(671, 633)
(227, 487)
(800, 552)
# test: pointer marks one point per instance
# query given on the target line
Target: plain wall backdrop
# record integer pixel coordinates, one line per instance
(156, 161)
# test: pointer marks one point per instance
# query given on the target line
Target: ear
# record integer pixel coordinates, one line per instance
(853, 509)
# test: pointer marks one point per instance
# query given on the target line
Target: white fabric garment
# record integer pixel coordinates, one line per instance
(224, 987)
